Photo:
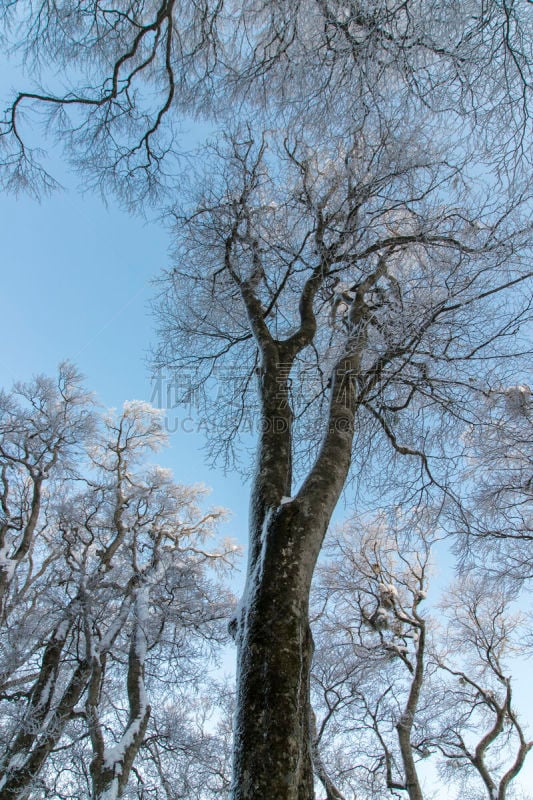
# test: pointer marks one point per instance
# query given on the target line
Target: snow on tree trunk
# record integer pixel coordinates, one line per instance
(110, 768)
(272, 742)
(25, 766)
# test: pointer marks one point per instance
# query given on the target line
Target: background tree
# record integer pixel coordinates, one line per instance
(43, 425)
(375, 699)
(117, 602)
(405, 686)
(494, 520)
(484, 740)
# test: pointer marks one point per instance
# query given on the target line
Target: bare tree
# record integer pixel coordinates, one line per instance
(42, 426)
(188, 753)
(368, 606)
(120, 77)
(407, 686)
(339, 287)
(125, 594)
(494, 520)
(484, 737)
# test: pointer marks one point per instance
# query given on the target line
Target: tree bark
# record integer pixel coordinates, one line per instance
(272, 741)
(405, 724)
(272, 738)
(273, 748)
(17, 780)
(110, 770)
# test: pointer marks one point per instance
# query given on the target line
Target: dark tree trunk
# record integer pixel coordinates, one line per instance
(17, 781)
(273, 747)
(272, 738)
(412, 784)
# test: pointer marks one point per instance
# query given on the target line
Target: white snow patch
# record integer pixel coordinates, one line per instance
(114, 756)
(8, 565)
(62, 630)
(518, 399)
(388, 589)
(15, 762)
(45, 693)
(111, 793)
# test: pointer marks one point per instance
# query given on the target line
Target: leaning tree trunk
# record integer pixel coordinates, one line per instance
(404, 726)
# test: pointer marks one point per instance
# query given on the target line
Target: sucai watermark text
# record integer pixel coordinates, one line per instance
(206, 408)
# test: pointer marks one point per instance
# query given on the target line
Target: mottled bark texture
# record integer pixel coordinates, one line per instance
(273, 743)
(273, 758)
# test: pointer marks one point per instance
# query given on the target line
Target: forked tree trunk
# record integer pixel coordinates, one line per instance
(272, 737)
(110, 769)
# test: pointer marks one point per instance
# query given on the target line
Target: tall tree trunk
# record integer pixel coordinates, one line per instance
(405, 724)
(272, 738)
(273, 751)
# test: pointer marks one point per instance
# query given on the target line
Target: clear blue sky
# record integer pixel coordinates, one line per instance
(75, 284)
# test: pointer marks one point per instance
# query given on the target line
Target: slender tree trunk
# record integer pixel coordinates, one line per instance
(110, 770)
(332, 793)
(17, 779)
(412, 784)
(25, 544)
(405, 724)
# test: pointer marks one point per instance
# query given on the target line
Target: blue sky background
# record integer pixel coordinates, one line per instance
(76, 284)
